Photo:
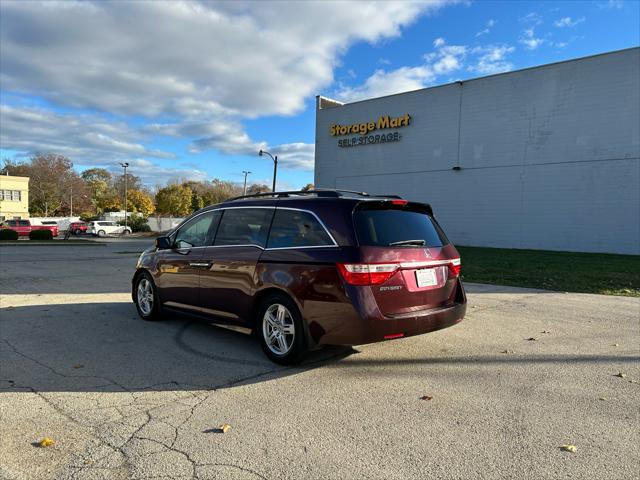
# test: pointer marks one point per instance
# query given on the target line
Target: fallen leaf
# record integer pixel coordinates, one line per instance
(616, 345)
(79, 365)
(545, 331)
(46, 442)
(621, 375)
(604, 399)
(507, 351)
(426, 397)
(532, 339)
(633, 381)
(224, 428)
(569, 448)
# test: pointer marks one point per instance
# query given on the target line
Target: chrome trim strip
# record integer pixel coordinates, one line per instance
(430, 263)
(219, 313)
(302, 248)
(335, 244)
(182, 305)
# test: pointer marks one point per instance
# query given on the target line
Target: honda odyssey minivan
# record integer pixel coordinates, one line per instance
(304, 269)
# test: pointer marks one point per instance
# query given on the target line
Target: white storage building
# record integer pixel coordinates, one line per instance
(543, 158)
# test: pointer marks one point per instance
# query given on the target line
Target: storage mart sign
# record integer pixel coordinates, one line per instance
(365, 130)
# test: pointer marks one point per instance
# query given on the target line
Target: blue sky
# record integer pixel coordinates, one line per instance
(195, 89)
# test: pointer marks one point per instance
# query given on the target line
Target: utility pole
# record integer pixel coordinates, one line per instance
(71, 203)
(125, 165)
(244, 190)
(275, 166)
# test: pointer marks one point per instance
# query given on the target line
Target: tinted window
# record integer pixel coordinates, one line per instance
(292, 228)
(12, 223)
(244, 226)
(384, 227)
(196, 232)
(24, 223)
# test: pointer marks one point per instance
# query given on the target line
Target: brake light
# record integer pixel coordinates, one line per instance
(455, 266)
(367, 273)
(399, 202)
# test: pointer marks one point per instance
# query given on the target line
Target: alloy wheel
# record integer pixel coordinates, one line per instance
(145, 296)
(278, 328)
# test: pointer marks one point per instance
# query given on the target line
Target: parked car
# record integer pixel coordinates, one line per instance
(78, 228)
(104, 228)
(304, 269)
(24, 227)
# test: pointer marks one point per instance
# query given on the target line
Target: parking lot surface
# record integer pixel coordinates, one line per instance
(526, 372)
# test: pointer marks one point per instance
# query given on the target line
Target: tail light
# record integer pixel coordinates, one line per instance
(367, 273)
(455, 266)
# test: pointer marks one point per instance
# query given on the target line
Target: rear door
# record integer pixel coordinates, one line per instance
(228, 282)
(405, 236)
(179, 268)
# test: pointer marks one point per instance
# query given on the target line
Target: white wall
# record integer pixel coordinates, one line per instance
(550, 156)
(162, 224)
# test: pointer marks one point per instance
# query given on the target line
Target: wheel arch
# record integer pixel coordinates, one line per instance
(261, 295)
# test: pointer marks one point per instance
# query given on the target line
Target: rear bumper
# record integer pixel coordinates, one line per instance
(373, 326)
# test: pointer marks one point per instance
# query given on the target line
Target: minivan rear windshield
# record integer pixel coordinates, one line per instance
(393, 226)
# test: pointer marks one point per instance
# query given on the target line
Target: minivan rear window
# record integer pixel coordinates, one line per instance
(382, 227)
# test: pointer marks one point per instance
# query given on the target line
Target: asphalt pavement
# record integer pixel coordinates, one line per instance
(494, 397)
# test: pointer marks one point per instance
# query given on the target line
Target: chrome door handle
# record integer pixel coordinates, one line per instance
(199, 265)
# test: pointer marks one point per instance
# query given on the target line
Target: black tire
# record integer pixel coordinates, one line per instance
(154, 312)
(102, 233)
(292, 319)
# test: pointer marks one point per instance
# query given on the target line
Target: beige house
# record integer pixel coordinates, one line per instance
(14, 197)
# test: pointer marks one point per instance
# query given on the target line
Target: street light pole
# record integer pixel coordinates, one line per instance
(125, 165)
(244, 190)
(275, 166)
(71, 203)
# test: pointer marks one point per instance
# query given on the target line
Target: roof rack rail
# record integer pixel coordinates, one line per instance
(320, 192)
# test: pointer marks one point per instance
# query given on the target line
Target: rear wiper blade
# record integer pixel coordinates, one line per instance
(408, 242)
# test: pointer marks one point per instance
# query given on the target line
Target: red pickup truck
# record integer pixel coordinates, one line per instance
(23, 227)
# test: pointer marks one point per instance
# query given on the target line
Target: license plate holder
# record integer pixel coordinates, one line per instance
(426, 277)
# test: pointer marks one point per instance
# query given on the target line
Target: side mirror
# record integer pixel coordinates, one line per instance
(163, 243)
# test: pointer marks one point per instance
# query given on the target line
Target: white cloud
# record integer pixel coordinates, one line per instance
(438, 65)
(492, 59)
(438, 42)
(611, 4)
(200, 67)
(177, 58)
(88, 141)
(529, 39)
(299, 156)
(86, 137)
(445, 59)
(489, 25)
(153, 174)
(532, 18)
(568, 22)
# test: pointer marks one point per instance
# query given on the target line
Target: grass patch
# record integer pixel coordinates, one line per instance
(601, 273)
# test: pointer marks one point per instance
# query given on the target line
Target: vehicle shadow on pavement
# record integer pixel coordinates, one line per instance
(106, 347)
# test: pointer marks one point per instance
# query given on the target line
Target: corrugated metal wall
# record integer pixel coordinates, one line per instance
(549, 156)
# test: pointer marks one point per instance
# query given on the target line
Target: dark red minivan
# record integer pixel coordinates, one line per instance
(303, 269)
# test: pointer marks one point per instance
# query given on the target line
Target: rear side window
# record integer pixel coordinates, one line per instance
(24, 223)
(244, 226)
(293, 228)
(385, 227)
